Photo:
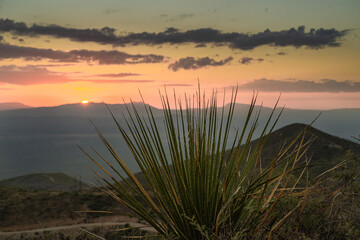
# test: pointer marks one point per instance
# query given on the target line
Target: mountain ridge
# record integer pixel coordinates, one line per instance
(12, 106)
(324, 152)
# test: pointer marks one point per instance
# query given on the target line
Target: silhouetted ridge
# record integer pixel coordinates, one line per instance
(325, 151)
(12, 106)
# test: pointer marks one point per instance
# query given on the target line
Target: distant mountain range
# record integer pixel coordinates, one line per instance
(44, 139)
(12, 105)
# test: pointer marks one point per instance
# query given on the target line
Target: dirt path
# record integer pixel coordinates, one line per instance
(84, 225)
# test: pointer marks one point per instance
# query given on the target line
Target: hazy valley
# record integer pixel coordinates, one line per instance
(40, 140)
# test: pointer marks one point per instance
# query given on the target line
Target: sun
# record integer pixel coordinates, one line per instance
(84, 101)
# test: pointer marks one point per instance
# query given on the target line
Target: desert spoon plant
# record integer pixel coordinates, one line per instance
(199, 189)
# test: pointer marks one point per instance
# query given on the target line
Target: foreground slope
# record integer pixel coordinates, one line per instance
(324, 152)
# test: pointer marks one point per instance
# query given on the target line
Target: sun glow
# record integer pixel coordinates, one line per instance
(84, 101)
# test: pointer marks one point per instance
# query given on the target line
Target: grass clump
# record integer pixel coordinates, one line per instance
(198, 190)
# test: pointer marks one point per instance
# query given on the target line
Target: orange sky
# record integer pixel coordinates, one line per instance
(314, 71)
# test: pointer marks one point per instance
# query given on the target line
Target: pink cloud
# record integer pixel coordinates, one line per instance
(30, 75)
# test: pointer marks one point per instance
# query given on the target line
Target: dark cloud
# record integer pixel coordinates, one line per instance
(102, 57)
(248, 60)
(245, 60)
(171, 30)
(315, 38)
(31, 74)
(324, 85)
(293, 37)
(200, 45)
(281, 53)
(104, 35)
(192, 63)
(115, 57)
(29, 53)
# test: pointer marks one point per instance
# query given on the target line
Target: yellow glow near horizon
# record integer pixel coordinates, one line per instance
(84, 101)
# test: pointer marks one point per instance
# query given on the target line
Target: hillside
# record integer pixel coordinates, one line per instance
(44, 182)
(24, 209)
(325, 151)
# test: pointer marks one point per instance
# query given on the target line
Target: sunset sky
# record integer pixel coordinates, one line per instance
(58, 52)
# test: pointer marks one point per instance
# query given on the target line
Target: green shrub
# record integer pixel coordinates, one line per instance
(332, 210)
(196, 190)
